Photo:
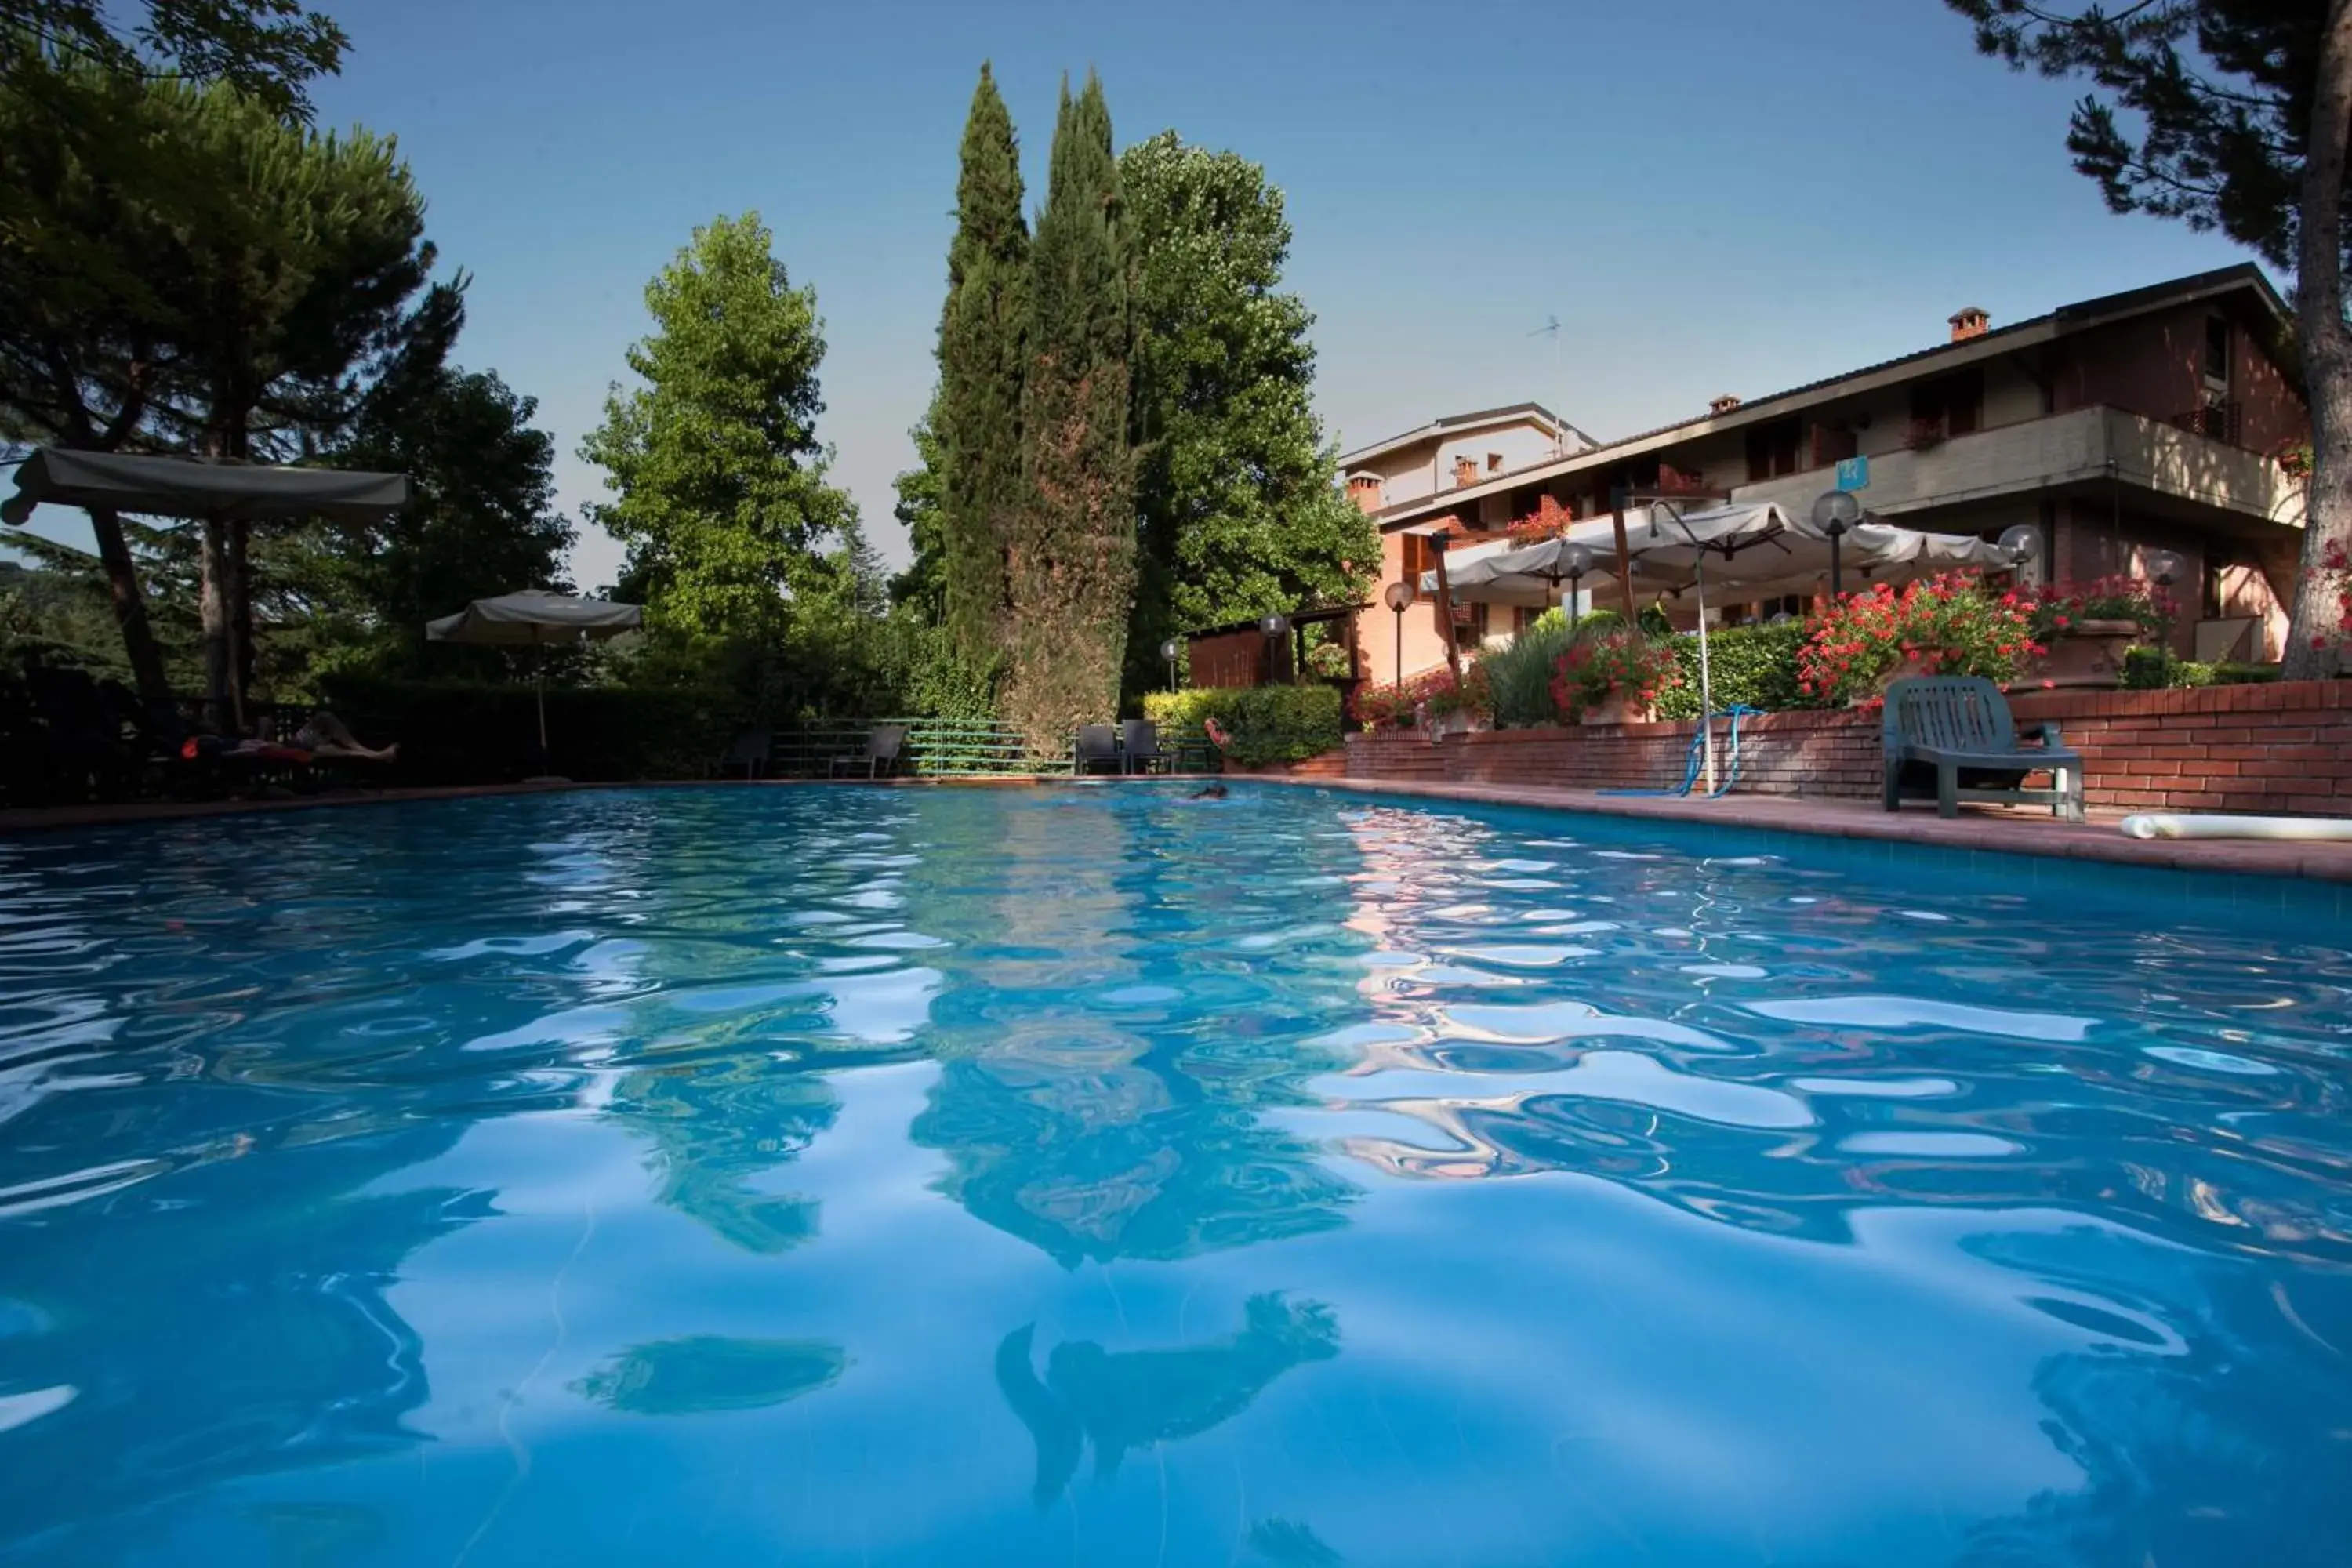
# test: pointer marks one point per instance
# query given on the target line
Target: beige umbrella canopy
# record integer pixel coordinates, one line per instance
(534, 618)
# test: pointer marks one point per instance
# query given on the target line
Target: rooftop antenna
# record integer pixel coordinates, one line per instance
(1550, 329)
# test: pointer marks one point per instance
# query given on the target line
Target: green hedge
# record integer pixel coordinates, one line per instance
(472, 733)
(1266, 723)
(1754, 665)
(2155, 669)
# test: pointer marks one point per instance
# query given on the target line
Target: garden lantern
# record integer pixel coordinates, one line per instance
(2164, 567)
(1399, 597)
(1168, 652)
(1835, 511)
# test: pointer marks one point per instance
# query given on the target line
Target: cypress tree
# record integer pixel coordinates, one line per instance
(1071, 570)
(982, 359)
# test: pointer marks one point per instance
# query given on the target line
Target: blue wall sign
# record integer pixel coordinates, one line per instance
(1853, 473)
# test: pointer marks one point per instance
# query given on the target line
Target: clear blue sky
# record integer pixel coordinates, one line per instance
(1713, 196)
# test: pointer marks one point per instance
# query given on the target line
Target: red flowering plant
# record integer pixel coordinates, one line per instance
(1948, 624)
(1548, 520)
(1382, 707)
(2058, 609)
(1433, 694)
(1622, 663)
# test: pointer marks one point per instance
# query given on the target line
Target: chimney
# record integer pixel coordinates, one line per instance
(1364, 489)
(1466, 471)
(1723, 404)
(1969, 322)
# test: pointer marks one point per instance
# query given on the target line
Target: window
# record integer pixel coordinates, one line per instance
(1416, 559)
(2217, 350)
(1833, 444)
(1772, 449)
(1955, 403)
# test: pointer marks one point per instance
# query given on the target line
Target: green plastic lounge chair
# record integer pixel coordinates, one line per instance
(1949, 737)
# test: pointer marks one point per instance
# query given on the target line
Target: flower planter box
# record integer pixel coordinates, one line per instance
(2087, 656)
(1618, 710)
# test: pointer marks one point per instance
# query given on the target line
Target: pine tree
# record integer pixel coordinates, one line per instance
(1071, 567)
(982, 359)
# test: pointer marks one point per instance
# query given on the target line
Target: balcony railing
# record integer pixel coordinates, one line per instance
(2215, 421)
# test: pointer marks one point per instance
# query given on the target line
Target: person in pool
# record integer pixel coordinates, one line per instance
(1208, 792)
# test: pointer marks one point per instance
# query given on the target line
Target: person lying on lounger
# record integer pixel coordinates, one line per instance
(324, 735)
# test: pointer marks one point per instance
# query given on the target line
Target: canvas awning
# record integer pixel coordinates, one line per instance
(196, 488)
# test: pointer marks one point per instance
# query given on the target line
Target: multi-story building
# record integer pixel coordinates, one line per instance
(2167, 417)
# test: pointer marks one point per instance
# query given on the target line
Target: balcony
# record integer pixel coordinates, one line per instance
(2083, 445)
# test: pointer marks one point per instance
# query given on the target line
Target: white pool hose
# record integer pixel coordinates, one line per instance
(2324, 829)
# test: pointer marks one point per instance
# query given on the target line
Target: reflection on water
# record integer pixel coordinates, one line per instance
(1133, 1399)
(648, 1177)
(705, 1372)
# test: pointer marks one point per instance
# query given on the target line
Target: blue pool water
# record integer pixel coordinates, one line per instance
(1089, 1177)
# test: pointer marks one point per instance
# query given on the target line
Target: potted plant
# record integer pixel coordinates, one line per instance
(1448, 706)
(1613, 677)
(1948, 624)
(2085, 629)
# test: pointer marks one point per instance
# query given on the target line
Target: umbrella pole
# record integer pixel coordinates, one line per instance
(1706, 677)
(539, 681)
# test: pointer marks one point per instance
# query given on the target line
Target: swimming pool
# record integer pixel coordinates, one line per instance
(1088, 1175)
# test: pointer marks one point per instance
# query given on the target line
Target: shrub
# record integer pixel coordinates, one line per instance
(1263, 723)
(455, 731)
(1948, 624)
(1383, 707)
(1615, 663)
(1755, 665)
(1432, 694)
(2155, 668)
(1520, 676)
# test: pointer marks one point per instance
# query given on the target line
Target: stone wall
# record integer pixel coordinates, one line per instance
(2279, 748)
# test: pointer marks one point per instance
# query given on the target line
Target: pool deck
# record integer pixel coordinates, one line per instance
(1981, 829)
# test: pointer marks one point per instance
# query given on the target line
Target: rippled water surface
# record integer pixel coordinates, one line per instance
(1088, 1175)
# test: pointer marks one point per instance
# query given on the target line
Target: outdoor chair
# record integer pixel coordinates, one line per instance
(1139, 748)
(883, 744)
(750, 753)
(1096, 746)
(1949, 737)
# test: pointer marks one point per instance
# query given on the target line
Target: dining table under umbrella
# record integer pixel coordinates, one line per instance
(534, 618)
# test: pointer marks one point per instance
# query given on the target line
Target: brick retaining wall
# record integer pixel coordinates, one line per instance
(2280, 748)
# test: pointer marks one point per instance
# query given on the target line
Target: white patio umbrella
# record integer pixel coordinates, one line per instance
(534, 618)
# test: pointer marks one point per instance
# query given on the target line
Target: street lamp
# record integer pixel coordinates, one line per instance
(1168, 651)
(2163, 567)
(1834, 511)
(2021, 541)
(1399, 597)
(1575, 561)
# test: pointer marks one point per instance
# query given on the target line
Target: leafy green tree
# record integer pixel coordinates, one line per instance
(483, 520)
(234, 287)
(921, 588)
(2238, 114)
(982, 359)
(267, 49)
(1070, 569)
(718, 479)
(1241, 515)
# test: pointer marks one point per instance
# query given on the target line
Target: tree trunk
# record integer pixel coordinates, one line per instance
(213, 599)
(129, 606)
(240, 621)
(2326, 353)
